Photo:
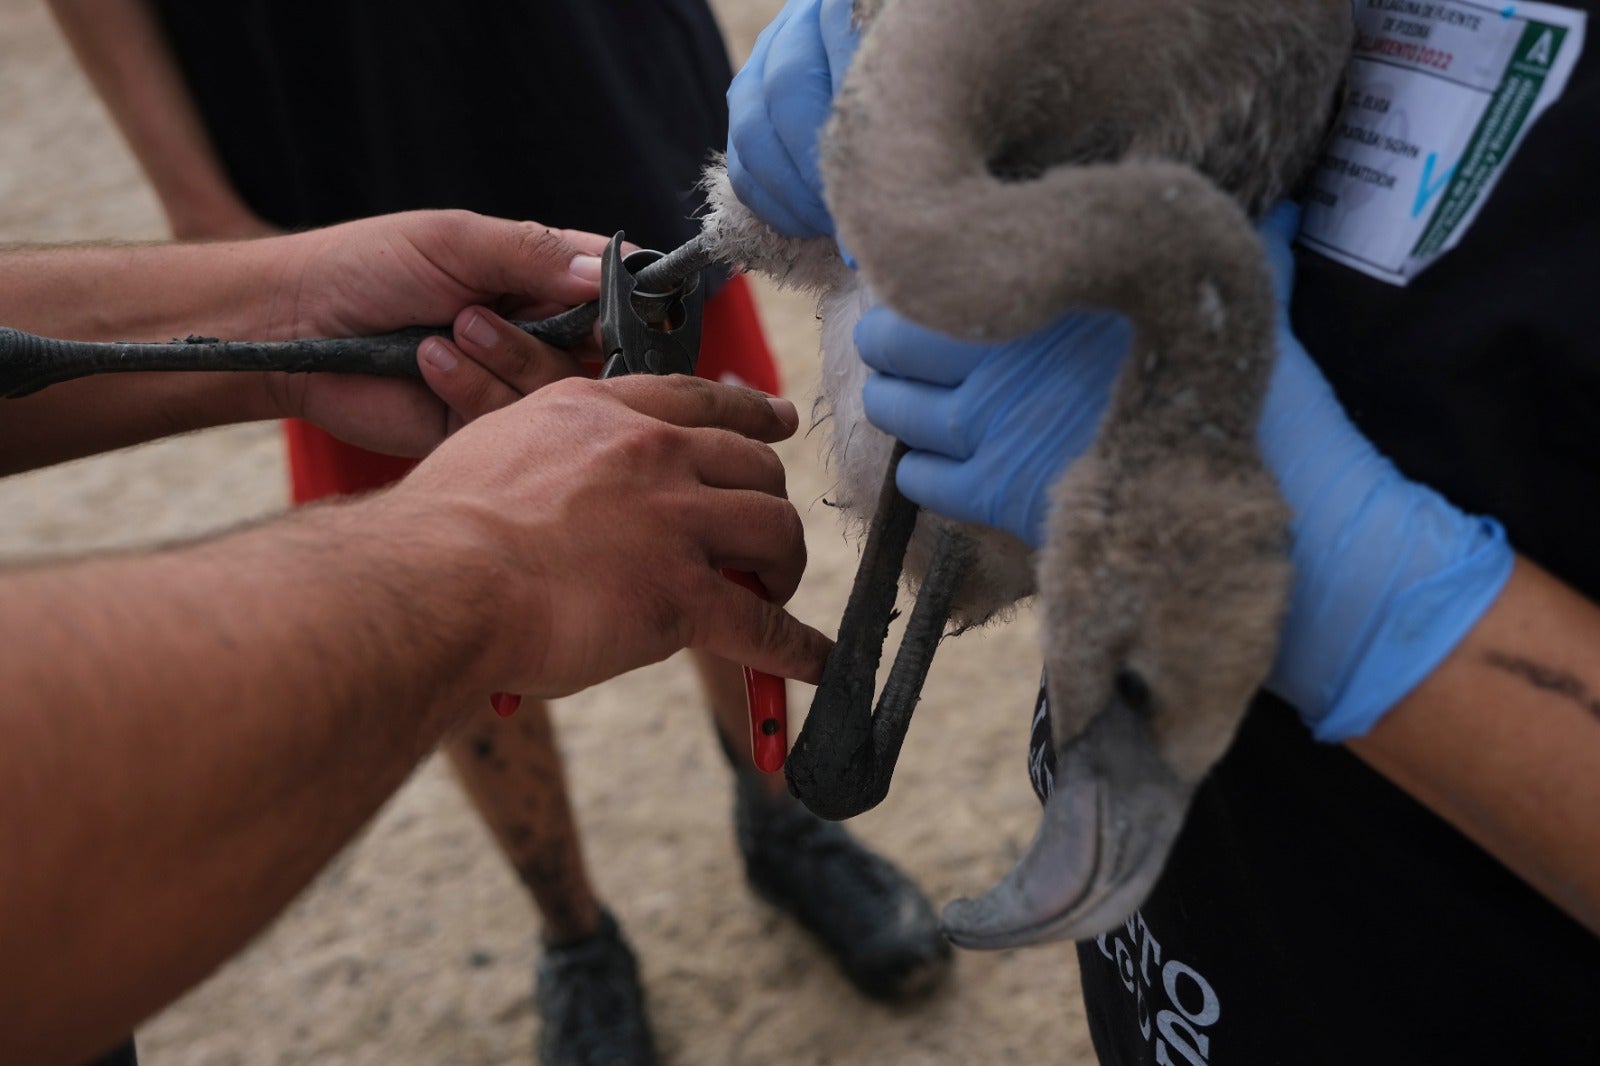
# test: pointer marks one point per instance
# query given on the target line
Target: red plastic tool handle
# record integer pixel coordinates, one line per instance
(765, 696)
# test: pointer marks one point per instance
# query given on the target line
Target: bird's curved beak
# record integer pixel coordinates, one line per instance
(1107, 828)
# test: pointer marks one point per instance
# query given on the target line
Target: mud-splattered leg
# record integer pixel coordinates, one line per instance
(586, 983)
(512, 771)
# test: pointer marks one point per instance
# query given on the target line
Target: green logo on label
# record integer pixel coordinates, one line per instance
(1501, 125)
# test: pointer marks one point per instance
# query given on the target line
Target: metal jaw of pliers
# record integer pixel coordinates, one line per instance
(646, 332)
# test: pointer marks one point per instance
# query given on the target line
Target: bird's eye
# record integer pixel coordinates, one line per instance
(1132, 689)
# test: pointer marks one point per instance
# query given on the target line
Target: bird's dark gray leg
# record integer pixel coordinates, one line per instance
(952, 561)
(29, 363)
(834, 749)
(845, 755)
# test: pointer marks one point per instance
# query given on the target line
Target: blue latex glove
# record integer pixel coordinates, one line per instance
(991, 427)
(777, 105)
(1389, 576)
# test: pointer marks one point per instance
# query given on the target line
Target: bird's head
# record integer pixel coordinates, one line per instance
(1145, 573)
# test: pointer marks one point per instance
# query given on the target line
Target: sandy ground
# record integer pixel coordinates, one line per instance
(416, 946)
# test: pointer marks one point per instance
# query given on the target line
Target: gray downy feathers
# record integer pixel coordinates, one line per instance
(993, 164)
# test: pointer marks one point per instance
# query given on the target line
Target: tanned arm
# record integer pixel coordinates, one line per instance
(1503, 740)
(362, 277)
(136, 292)
(188, 736)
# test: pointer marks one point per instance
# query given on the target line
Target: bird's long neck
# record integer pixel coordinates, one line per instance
(916, 166)
(1203, 351)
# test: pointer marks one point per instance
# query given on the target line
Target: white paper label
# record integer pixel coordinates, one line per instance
(1440, 94)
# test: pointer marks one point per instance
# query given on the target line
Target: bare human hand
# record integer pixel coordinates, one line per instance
(489, 364)
(606, 510)
(418, 268)
(422, 267)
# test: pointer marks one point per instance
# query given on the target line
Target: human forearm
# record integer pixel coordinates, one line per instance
(94, 415)
(122, 49)
(152, 292)
(190, 736)
(1503, 740)
(140, 292)
(364, 277)
(205, 776)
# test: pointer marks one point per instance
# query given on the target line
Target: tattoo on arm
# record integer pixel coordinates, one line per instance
(1548, 679)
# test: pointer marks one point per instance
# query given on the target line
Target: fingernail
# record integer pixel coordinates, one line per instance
(434, 352)
(585, 268)
(478, 330)
(785, 411)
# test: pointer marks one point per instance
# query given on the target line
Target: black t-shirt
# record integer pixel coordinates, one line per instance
(122, 1056)
(1311, 912)
(591, 114)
